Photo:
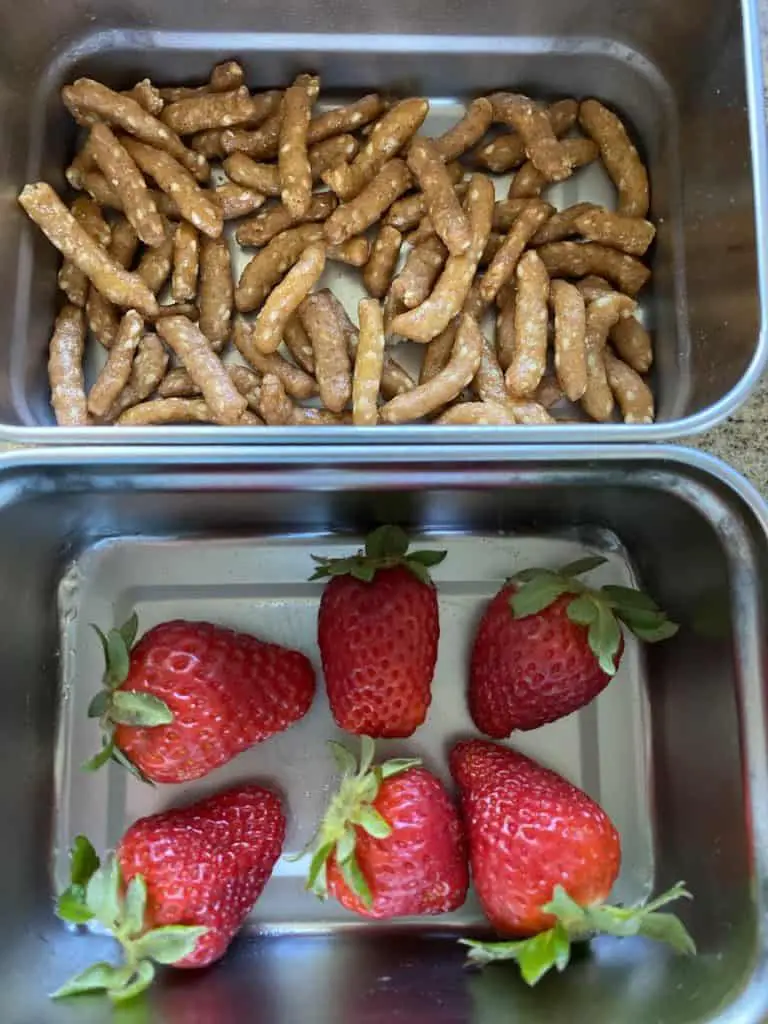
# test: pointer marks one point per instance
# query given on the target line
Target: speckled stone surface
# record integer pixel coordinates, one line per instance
(743, 440)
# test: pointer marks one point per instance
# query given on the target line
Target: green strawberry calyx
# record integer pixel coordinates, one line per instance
(385, 548)
(552, 948)
(350, 808)
(601, 611)
(114, 706)
(97, 893)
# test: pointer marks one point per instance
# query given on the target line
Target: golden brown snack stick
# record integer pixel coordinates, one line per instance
(186, 262)
(421, 269)
(549, 392)
(602, 313)
(446, 385)
(395, 379)
(426, 321)
(507, 151)
(574, 259)
(274, 405)
(148, 370)
(495, 241)
(261, 144)
(119, 169)
(93, 98)
(236, 200)
(489, 385)
(299, 345)
(188, 309)
(43, 206)
(147, 96)
(357, 215)
(591, 286)
(194, 204)
(467, 132)
(100, 190)
(505, 261)
(324, 320)
(330, 152)
(307, 417)
(297, 383)
(478, 414)
(632, 344)
(354, 252)
(225, 76)
(165, 411)
(264, 178)
(269, 223)
(561, 225)
(345, 119)
(116, 372)
(286, 297)
(82, 163)
(531, 414)
(442, 205)
(632, 235)
(178, 384)
(208, 144)
(570, 338)
(195, 353)
(378, 271)
(531, 321)
(71, 280)
(506, 212)
(102, 316)
(621, 159)
(154, 267)
(65, 368)
(535, 127)
(292, 158)
(634, 396)
(267, 267)
(437, 352)
(388, 137)
(506, 339)
(369, 364)
(408, 212)
(529, 180)
(248, 383)
(215, 110)
(216, 291)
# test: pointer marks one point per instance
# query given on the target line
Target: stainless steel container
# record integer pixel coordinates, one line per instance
(675, 748)
(686, 74)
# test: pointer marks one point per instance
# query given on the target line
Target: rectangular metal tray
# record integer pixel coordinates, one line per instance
(687, 76)
(259, 584)
(676, 748)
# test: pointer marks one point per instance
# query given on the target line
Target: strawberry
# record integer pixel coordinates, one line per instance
(378, 629)
(544, 857)
(391, 843)
(191, 696)
(547, 645)
(178, 887)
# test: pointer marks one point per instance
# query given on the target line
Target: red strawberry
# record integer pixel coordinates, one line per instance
(547, 645)
(391, 843)
(544, 858)
(378, 629)
(178, 887)
(191, 696)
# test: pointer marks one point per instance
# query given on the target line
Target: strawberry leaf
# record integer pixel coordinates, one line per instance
(99, 704)
(96, 978)
(362, 571)
(536, 595)
(535, 956)
(102, 894)
(355, 879)
(627, 598)
(135, 906)
(582, 610)
(604, 638)
(139, 981)
(345, 846)
(386, 542)
(367, 754)
(139, 709)
(419, 571)
(71, 906)
(119, 757)
(129, 629)
(582, 565)
(651, 627)
(118, 660)
(369, 819)
(83, 861)
(345, 760)
(170, 944)
(316, 877)
(396, 766)
(427, 558)
(94, 763)
(103, 640)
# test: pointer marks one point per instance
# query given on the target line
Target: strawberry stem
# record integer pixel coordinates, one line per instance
(601, 611)
(385, 548)
(549, 949)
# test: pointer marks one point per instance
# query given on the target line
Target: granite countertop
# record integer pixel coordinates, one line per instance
(742, 441)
